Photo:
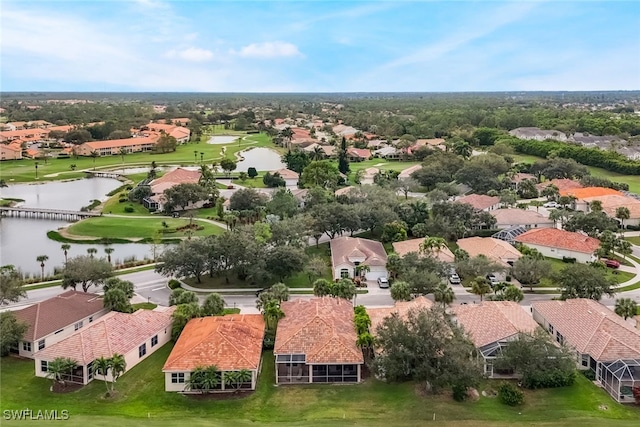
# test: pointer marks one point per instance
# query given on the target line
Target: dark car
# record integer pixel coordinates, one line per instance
(259, 291)
(612, 263)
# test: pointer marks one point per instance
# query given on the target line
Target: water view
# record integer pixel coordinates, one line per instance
(263, 159)
(222, 139)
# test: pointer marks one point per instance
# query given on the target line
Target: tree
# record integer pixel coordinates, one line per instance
(92, 251)
(426, 347)
(527, 190)
(235, 379)
(477, 266)
(322, 287)
(86, 271)
(246, 199)
(108, 250)
(283, 204)
(400, 291)
(283, 261)
(444, 294)
(122, 152)
(320, 174)
(296, 160)
(344, 288)
(432, 245)
(394, 231)
(486, 135)
(102, 366)
(181, 316)
(11, 331)
(94, 154)
(208, 180)
(622, 213)
(512, 293)
(272, 313)
(180, 296)
(252, 172)
(583, 281)
(343, 160)
(166, 143)
(204, 379)
(273, 181)
(11, 285)
(117, 283)
(480, 286)
(58, 367)
(182, 195)
(529, 270)
(595, 206)
(540, 363)
(462, 148)
(551, 192)
(187, 259)
(116, 300)
(315, 268)
(228, 166)
(242, 176)
(406, 185)
(608, 243)
(65, 249)
(118, 367)
(626, 307)
(213, 305)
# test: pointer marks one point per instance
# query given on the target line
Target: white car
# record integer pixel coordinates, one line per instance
(551, 205)
(383, 282)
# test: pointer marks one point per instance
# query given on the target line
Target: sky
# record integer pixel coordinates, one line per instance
(319, 46)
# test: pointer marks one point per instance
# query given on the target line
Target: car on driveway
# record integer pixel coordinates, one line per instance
(383, 282)
(611, 263)
(454, 279)
(493, 280)
(551, 205)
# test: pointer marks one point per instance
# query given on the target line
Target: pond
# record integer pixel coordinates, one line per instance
(222, 139)
(23, 239)
(263, 159)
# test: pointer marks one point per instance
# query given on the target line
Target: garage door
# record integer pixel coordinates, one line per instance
(373, 275)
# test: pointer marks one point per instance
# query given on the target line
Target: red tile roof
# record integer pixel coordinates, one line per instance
(581, 193)
(359, 152)
(591, 328)
(287, 174)
(413, 245)
(400, 308)
(50, 315)
(492, 321)
(96, 145)
(343, 248)
(554, 238)
(479, 201)
(562, 184)
(321, 328)
(232, 342)
(113, 333)
(496, 250)
(175, 177)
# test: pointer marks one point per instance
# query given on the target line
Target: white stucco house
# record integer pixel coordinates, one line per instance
(555, 243)
(290, 177)
(347, 253)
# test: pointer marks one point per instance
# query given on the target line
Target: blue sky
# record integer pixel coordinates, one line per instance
(319, 46)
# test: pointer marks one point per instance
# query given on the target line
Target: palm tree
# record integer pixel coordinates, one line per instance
(322, 287)
(122, 153)
(317, 153)
(93, 155)
(65, 248)
(626, 307)
(234, 379)
(195, 156)
(444, 294)
(287, 134)
(58, 367)
(41, 259)
(366, 341)
(92, 251)
(201, 157)
(622, 213)
(462, 148)
(432, 245)
(272, 314)
(480, 286)
(101, 366)
(203, 379)
(118, 366)
(108, 250)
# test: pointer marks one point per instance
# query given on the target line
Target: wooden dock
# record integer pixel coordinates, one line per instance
(39, 213)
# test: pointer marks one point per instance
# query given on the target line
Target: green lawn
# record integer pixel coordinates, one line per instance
(143, 401)
(634, 239)
(144, 306)
(135, 228)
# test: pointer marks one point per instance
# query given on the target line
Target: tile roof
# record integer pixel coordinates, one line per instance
(519, 217)
(581, 193)
(492, 321)
(55, 313)
(231, 343)
(495, 249)
(406, 173)
(321, 328)
(343, 248)
(400, 308)
(359, 152)
(175, 177)
(287, 174)
(562, 239)
(613, 201)
(563, 184)
(113, 333)
(519, 177)
(591, 328)
(111, 143)
(413, 245)
(479, 201)
(344, 190)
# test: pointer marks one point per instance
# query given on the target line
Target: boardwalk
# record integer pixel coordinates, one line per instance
(39, 213)
(107, 174)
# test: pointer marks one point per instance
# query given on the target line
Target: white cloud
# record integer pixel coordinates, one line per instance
(274, 49)
(193, 54)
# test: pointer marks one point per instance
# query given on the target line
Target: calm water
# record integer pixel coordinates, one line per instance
(263, 159)
(221, 139)
(22, 239)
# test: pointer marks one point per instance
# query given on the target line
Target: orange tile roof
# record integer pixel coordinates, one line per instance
(591, 328)
(413, 245)
(561, 183)
(176, 176)
(12, 147)
(552, 237)
(287, 174)
(343, 248)
(479, 201)
(519, 217)
(612, 202)
(359, 152)
(400, 308)
(496, 250)
(492, 321)
(55, 313)
(321, 328)
(232, 342)
(581, 193)
(112, 333)
(113, 143)
(406, 173)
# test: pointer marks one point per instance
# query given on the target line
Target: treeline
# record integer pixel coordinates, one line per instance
(608, 160)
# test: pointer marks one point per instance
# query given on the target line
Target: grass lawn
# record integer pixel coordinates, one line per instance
(135, 228)
(144, 306)
(113, 206)
(634, 240)
(142, 400)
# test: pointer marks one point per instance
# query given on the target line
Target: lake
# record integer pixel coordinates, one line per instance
(222, 139)
(263, 159)
(23, 239)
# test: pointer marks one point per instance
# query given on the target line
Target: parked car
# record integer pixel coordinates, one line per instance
(611, 263)
(493, 280)
(551, 205)
(454, 279)
(383, 282)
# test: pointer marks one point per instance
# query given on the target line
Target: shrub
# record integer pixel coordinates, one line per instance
(548, 379)
(269, 340)
(589, 374)
(568, 260)
(122, 200)
(173, 284)
(129, 209)
(508, 278)
(510, 395)
(459, 392)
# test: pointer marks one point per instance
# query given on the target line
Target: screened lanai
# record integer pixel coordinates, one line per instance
(509, 234)
(618, 378)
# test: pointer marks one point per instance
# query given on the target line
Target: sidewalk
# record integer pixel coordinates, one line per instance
(117, 273)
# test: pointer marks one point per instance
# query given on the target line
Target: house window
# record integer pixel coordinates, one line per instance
(154, 341)
(44, 365)
(177, 378)
(559, 337)
(40, 344)
(585, 360)
(26, 346)
(78, 325)
(90, 319)
(344, 273)
(142, 350)
(90, 371)
(550, 328)
(58, 331)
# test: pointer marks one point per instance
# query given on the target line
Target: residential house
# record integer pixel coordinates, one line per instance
(177, 176)
(406, 173)
(369, 176)
(555, 243)
(347, 253)
(611, 203)
(358, 154)
(563, 184)
(413, 245)
(583, 196)
(10, 152)
(388, 152)
(496, 250)
(316, 342)
(520, 177)
(480, 202)
(113, 146)
(491, 325)
(290, 177)
(343, 191)
(602, 341)
(180, 133)
(431, 143)
(134, 335)
(400, 309)
(506, 218)
(55, 319)
(232, 342)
